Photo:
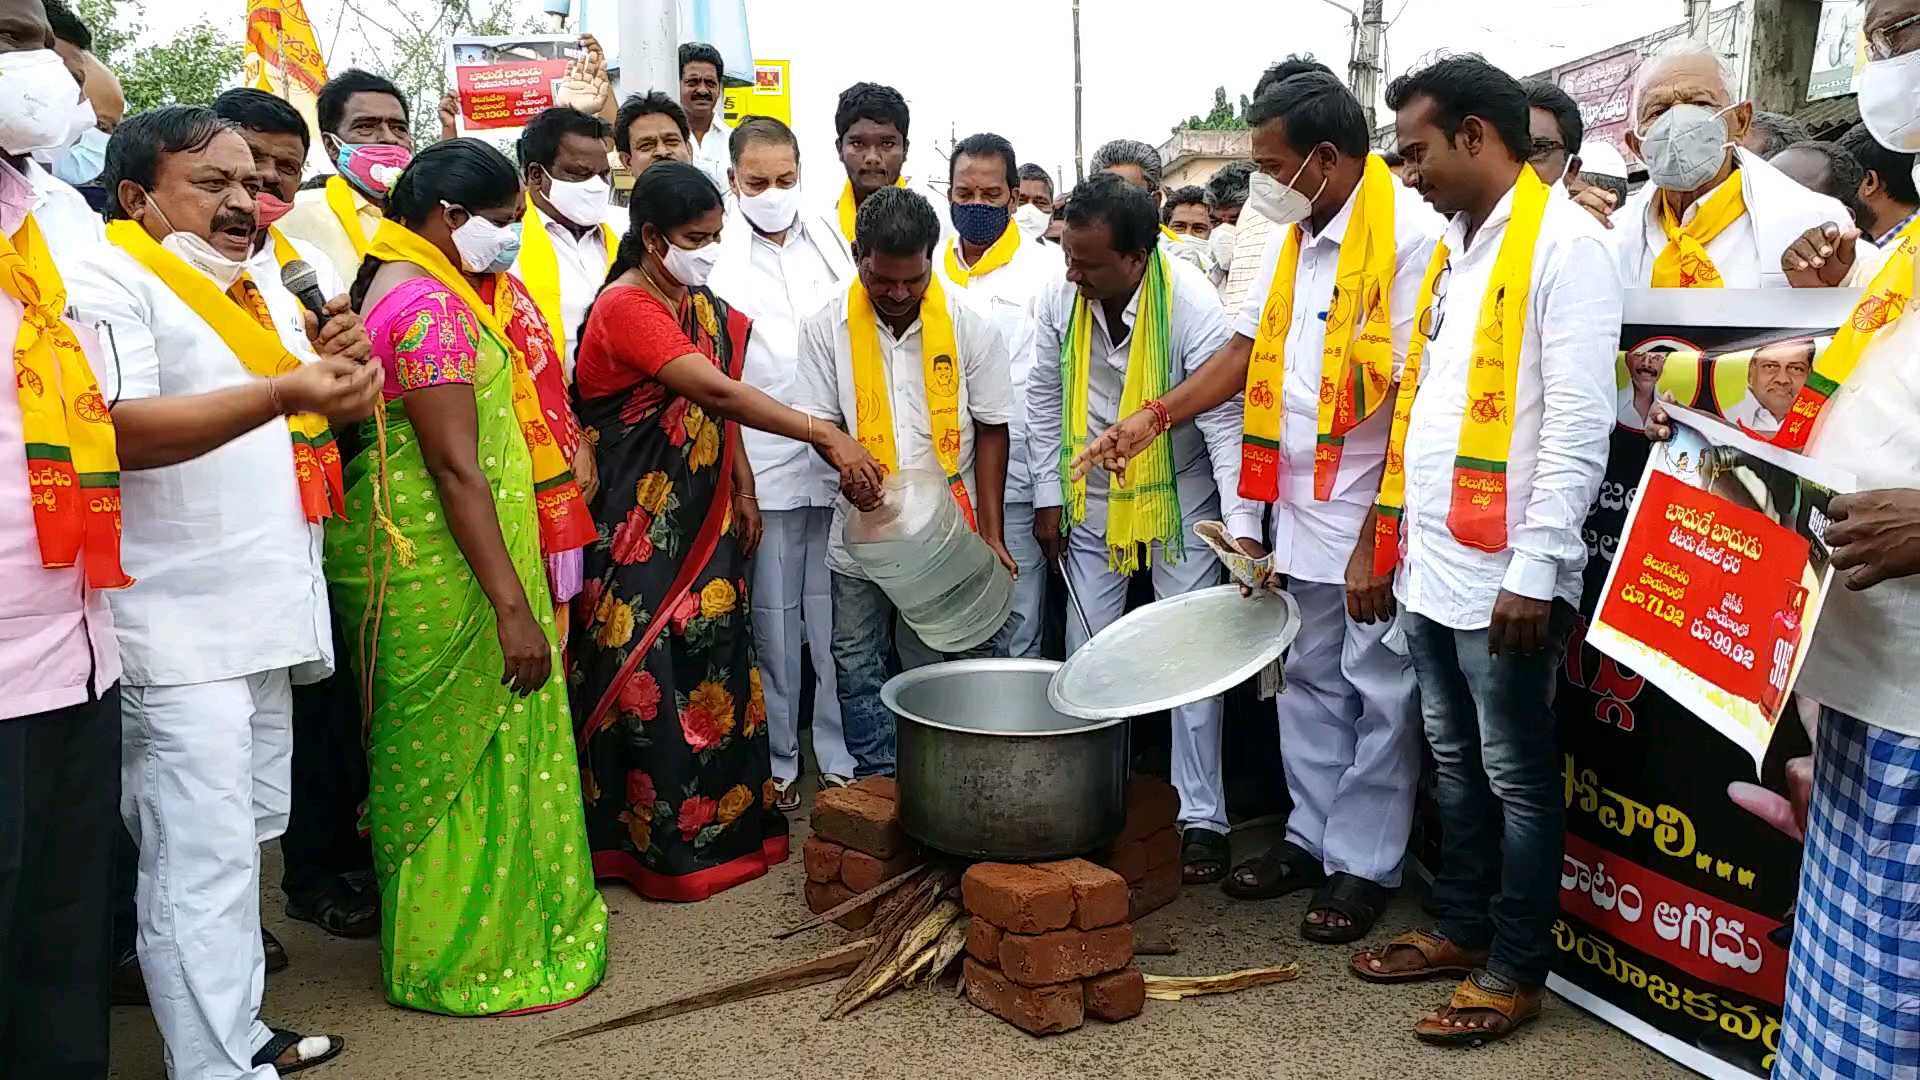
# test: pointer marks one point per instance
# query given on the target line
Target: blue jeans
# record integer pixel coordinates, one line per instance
(863, 620)
(1489, 720)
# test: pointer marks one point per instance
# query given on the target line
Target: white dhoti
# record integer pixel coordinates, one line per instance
(1030, 589)
(1349, 739)
(206, 774)
(793, 610)
(1103, 595)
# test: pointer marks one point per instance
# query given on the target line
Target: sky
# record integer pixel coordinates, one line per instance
(1007, 65)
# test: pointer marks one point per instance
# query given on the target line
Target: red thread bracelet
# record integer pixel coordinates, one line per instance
(1161, 416)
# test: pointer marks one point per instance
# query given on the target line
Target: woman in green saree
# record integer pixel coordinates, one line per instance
(462, 519)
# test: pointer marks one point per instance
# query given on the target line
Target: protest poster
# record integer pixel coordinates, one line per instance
(768, 94)
(1720, 575)
(1676, 893)
(502, 82)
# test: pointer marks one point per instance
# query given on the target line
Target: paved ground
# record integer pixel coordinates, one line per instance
(1324, 1025)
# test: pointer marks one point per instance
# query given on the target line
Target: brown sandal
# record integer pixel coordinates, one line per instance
(1442, 957)
(1515, 1009)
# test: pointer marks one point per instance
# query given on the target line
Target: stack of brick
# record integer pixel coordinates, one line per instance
(1147, 852)
(1050, 944)
(857, 843)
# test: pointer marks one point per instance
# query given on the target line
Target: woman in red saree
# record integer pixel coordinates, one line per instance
(668, 713)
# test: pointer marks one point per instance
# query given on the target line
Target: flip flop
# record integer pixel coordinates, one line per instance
(1484, 992)
(1283, 868)
(1438, 957)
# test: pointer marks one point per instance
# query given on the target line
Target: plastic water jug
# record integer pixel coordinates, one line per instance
(942, 577)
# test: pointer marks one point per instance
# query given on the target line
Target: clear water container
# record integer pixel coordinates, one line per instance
(942, 577)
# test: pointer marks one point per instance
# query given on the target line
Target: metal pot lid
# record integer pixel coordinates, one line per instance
(1175, 652)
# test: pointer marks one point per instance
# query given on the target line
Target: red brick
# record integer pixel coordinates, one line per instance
(1065, 955)
(825, 896)
(983, 941)
(1037, 1010)
(860, 871)
(883, 786)
(1117, 996)
(1152, 805)
(1159, 888)
(822, 859)
(1133, 860)
(1099, 894)
(1024, 899)
(859, 820)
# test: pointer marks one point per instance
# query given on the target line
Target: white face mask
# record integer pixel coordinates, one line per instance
(1685, 147)
(80, 121)
(1890, 101)
(773, 210)
(1032, 221)
(690, 268)
(1222, 243)
(196, 251)
(582, 202)
(37, 101)
(85, 160)
(485, 248)
(1278, 202)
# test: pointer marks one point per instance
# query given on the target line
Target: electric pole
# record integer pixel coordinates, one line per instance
(1079, 161)
(1363, 73)
(1698, 16)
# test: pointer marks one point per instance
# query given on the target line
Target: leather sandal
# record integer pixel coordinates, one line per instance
(1438, 955)
(1484, 993)
(1283, 868)
(308, 1051)
(1355, 899)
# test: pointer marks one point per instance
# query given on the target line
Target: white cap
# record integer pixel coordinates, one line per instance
(1600, 157)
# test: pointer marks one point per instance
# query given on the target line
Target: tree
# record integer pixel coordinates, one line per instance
(406, 41)
(1224, 116)
(191, 69)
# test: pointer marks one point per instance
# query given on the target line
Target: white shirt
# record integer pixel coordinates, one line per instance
(1206, 450)
(1562, 420)
(265, 263)
(1313, 540)
(312, 220)
(828, 216)
(714, 154)
(778, 285)
(1861, 658)
(62, 213)
(1754, 416)
(583, 262)
(228, 569)
(1008, 296)
(1747, 252)
(823, 388)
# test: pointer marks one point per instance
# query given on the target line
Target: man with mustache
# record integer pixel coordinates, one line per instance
(366, 132)
(701, 72)
(222, 393)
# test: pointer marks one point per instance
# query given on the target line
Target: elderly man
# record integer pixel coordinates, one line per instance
(1349, 724)
(1118, 274)
(650, 127)
(566, 242)
(1849, 1007)
(1139, 164)
(702, 71)
(1710, 216)
(1774, 378)
(365, 133)
(1006, 275)
(224, 391)
(59, 552)
(1226, 197)
(1034, 200)
(777, 266)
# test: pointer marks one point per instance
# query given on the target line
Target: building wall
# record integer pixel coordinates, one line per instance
(1195, 170)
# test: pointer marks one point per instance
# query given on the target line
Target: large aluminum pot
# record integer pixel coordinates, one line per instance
(988, 770)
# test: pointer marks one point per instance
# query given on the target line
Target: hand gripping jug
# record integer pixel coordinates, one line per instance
(942, 577)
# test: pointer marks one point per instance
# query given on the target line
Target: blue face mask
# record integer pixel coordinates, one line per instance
(978, 224)
(85, 160)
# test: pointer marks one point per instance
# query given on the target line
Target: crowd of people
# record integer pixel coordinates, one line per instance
(444, 487)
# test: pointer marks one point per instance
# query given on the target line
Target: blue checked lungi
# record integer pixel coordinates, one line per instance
(1853, 977)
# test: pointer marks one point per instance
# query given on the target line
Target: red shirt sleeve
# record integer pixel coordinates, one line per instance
(630, 336)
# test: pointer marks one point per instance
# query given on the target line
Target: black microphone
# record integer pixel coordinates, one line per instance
(304, 283)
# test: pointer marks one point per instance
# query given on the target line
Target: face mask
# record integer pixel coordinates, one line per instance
(1685, 147)
(1222, 244)
(85, 160)
(582, 202)
(1890, 101)
(690, 268)
(79, 122)
(269, 208)
(485, 248)
(1032, 221)
(774, 209)
(978, 224)
(36, 101)
(1278, 202)
(194, 250)
(372, 167)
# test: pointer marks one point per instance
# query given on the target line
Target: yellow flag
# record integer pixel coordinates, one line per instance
(283, 56)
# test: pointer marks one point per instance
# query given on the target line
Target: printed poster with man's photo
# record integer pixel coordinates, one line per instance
(1681, 864)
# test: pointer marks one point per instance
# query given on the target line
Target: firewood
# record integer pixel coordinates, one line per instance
(850, 906)
(953, 942)
(827, 966)
(921, 897)
(1174, 988)
(894, 969)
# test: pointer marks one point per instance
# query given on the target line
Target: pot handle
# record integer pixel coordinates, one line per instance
(1074, 598)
